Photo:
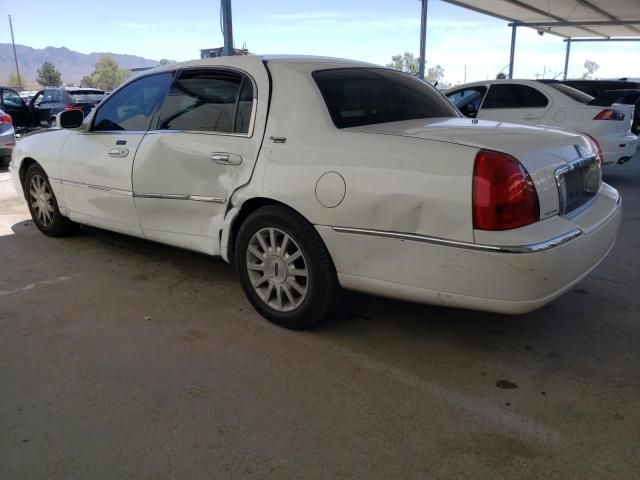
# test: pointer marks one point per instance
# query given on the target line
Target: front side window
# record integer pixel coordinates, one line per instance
(366, 96)
(132, 107)
(512, 95)
(208, 101)
(12, 99)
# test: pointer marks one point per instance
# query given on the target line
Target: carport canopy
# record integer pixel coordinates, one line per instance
(574, 20)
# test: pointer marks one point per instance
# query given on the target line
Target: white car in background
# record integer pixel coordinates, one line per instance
(313, 173)
(553, 104)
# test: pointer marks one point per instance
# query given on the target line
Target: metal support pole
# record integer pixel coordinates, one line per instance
(513, 50)
(15, 56)
(227, 27)
(423, 37)
(566, 59)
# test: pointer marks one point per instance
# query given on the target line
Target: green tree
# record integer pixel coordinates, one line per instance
(164, 61)
(87, 81)
(405, 63)
(435, 74)
(590, 67)
(12, 81)
(48, 75)
(108, 74)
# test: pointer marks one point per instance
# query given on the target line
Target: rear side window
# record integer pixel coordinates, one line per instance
(512, 95)
(86, 96)
(132, 107)
(572, 93)
(366, 96)
(208, 101)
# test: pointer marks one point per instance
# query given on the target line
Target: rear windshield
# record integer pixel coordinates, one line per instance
(576, 95)
(86, 96)
(366, 96)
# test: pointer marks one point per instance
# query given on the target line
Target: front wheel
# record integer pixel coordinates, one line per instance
(285, 269)
(43, 204)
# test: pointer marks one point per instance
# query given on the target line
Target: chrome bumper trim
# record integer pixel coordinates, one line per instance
(531, 248)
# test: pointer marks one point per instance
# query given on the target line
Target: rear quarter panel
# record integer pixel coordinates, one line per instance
(392, 183)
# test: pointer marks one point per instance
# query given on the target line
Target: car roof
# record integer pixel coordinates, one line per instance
(300, 60)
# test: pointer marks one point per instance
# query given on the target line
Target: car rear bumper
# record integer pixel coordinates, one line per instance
(618, 147)
(504, 279)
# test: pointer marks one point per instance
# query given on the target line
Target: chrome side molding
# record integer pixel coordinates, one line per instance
(531, 248)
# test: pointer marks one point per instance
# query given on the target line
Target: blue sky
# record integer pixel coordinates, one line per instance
(370, 30)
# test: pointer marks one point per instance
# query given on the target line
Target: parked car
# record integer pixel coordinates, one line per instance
(552, 104)
(7, 138)
(52, 100)
(12, 104)
(313, 173)
(595, 88)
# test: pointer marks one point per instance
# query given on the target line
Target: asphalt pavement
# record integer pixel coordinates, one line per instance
(123, 358)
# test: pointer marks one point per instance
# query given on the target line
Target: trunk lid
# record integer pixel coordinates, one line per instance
(542, 151)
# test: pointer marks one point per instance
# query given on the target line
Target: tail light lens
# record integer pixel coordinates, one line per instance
(597, 147)
(609, 114)
(71, 106)
(6, 119)
(504, 195)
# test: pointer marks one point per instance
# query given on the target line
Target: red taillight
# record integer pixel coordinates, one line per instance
(609, 114)
(504, 195)
(6, 119)
(597, 146)
(71, 106)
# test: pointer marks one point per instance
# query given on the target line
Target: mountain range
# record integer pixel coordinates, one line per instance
(72, 65)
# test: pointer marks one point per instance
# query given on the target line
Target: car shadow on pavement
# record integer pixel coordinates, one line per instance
(361, 321)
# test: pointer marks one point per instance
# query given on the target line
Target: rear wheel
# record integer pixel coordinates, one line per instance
(43, 205)
(285, 269)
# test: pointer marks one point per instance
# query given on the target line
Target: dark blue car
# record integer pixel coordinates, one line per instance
(52, 100)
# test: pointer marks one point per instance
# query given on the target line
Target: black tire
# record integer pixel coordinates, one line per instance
(322, 289)
(54, 224)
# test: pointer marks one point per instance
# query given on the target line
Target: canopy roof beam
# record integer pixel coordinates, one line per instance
(525, 6)
(600, 11)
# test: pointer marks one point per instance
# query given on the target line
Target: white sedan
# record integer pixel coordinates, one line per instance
(313, 173)
(554, 104)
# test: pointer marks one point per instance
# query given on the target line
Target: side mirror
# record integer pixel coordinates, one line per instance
(70, 118)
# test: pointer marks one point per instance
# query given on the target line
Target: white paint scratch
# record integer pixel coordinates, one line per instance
(32, 286)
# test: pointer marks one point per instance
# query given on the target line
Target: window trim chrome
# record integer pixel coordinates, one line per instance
(254, 104)
(528, 248)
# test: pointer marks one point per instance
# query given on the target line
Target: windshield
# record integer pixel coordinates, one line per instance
(366, 96)
(576, 95)
(86, 96)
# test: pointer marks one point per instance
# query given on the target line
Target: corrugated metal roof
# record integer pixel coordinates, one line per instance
(597, 18)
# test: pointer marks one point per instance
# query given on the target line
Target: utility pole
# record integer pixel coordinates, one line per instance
(15, 56)
(227, 27)
(423, 37)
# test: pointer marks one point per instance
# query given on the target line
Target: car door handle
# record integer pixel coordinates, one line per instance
(226, 158)
(118, 152)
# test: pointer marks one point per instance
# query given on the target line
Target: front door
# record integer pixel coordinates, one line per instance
(96, 164)
(513, 102)
(205, 145)
(15, 106)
